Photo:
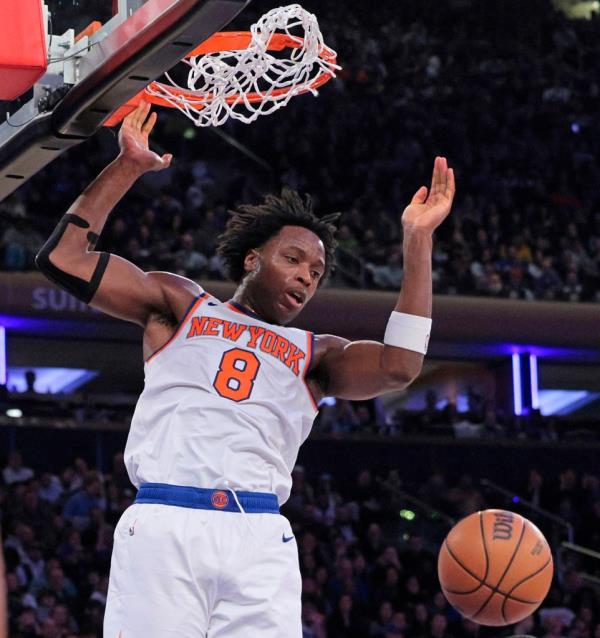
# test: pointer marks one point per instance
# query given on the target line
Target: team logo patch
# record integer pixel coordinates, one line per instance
(220, 500)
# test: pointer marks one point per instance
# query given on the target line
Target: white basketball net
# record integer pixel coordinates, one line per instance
(216, 78)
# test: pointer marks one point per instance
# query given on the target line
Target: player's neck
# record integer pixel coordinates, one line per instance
(244, 296)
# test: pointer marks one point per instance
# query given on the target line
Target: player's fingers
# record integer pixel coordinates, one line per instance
(149, 123)
(135, 116)
(141, 113)
(433, 174)
(444, 180)
(166, 160)
(128, 119)
(436, 177)
(145, 112)
(420, 196)
(450, 184)
(442, 175)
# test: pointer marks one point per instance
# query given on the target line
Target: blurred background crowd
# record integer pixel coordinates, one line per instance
(509, 98)
(367, 553)
(472, 417)
(508, 91)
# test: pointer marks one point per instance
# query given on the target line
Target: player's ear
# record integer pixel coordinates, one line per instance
(251, 260)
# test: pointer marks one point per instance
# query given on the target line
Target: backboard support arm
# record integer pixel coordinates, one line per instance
(137, 51)
(128, 7)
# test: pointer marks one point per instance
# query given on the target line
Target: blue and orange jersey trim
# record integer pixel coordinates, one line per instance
(196, 303)
(242, 310)
(310, 350)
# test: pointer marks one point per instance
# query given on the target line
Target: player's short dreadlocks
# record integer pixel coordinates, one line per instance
(249, 227)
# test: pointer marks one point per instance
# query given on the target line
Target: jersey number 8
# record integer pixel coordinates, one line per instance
(236, 375)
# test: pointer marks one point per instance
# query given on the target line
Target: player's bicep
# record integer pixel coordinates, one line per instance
(355, 370)
(127, 292)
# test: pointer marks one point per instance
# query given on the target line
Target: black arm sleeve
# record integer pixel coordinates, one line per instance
(79, 288)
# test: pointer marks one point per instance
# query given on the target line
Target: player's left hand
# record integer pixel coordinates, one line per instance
(429, 208)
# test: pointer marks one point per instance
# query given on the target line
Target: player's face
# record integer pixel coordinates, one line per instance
(285, 273)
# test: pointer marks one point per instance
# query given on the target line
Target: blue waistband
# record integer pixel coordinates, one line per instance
(205, 499)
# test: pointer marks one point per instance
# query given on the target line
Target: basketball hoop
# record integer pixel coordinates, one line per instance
(235, 74)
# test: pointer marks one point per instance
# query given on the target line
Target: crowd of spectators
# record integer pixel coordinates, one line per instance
(507, 91)
(471, 417)
(478, 419)
(366, 572)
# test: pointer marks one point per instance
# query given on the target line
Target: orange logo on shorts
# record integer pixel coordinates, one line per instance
(220, 500)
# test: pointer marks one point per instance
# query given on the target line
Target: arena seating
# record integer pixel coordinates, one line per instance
(366, 571)
(510, 98)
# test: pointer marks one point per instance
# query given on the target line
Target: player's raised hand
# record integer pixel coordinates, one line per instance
(133, 140)
(429, 208)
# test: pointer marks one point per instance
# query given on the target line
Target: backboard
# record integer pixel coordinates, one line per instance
(132, 43)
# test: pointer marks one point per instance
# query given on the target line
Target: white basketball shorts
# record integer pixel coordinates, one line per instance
(179, 572)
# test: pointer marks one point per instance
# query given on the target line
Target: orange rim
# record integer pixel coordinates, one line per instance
(224, 41)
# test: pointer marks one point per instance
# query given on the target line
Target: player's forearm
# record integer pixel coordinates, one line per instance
(416, 293)
(414, 299)
(104, 193)
(67, 257)
(94, 206)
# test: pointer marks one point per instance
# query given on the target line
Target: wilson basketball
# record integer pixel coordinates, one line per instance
(495, 567)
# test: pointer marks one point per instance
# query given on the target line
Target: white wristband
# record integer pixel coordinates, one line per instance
(410, 332)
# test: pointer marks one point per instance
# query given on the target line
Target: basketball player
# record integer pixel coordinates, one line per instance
(230, 395)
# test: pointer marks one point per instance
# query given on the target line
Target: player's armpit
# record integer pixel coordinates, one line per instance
(360, 370)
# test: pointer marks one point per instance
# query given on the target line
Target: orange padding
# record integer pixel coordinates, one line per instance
(223, 41)
(23, 56)
(91, 28)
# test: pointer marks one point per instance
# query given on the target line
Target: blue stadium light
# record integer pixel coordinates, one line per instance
(21, 323)
(516, 379)
(545, 352)
(2, 355)
(565, 402)
(515, 499)
(327, 401)
(50, 380)
(47, 327)
(533, 378)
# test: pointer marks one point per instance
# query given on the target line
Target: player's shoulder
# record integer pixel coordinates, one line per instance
(178, 292)
(175, 283)
(325, 342)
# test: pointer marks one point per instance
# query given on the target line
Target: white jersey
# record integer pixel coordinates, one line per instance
(225, 403)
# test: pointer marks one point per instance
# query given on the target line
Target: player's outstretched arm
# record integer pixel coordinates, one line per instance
(365, 369)
(108, 282)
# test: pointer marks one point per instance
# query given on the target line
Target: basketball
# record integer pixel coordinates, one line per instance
(495, 567)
